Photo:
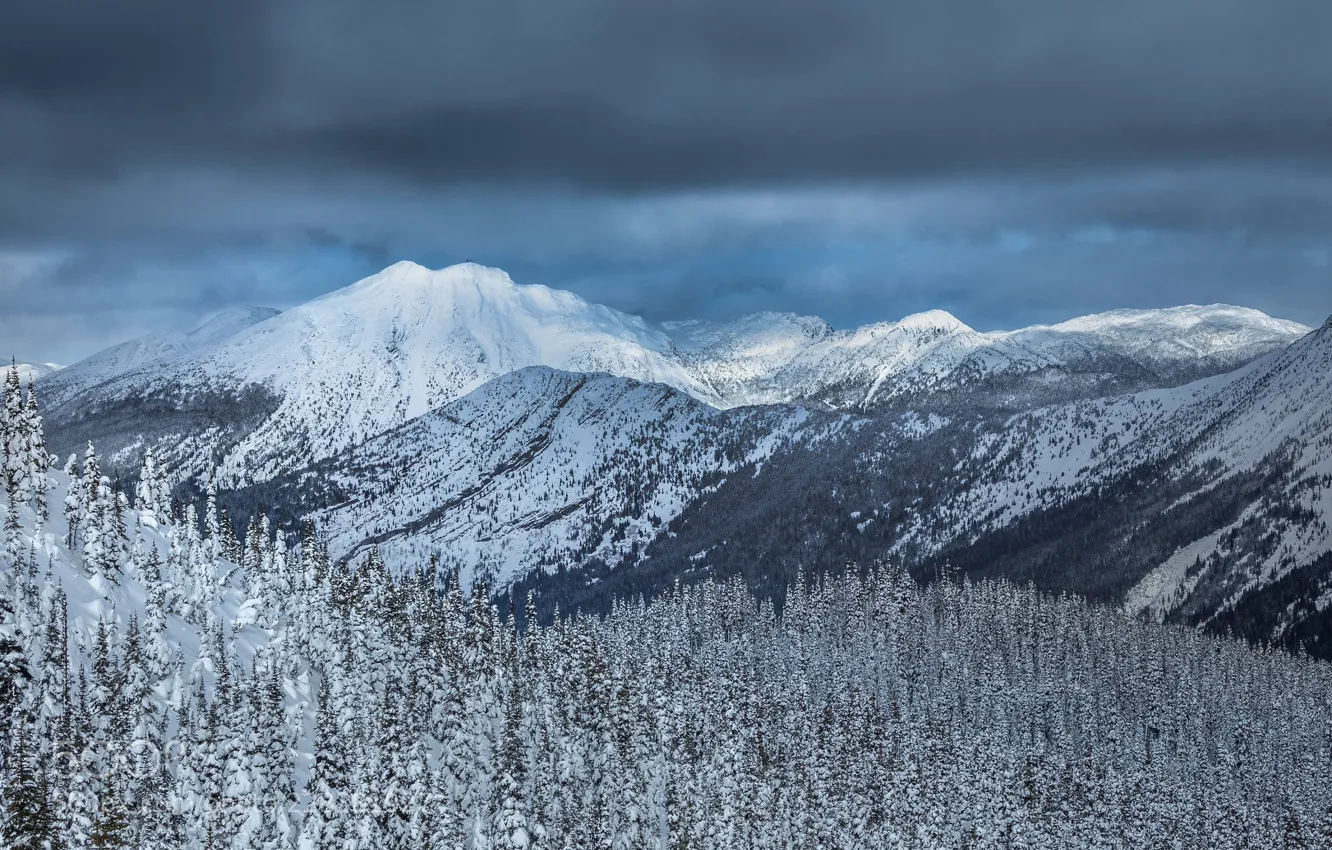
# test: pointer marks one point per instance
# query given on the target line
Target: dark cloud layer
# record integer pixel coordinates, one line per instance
(608, 93)
(692, 156)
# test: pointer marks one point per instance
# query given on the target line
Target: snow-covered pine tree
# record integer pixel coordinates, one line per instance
(74, 506)
(111, 827)
(102, 533)
(15, 674)
(13, 437)
(38, 459)
(29, 823)
(147, 490)
(117, 532)
(512, 815)
(326, 821)
(275, 741)
(15, 552)
(53, 673)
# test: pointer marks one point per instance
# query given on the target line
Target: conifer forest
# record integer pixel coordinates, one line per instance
(170, 681)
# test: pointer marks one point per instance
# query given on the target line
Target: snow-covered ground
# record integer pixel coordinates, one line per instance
(538, 469)
(1207, 432)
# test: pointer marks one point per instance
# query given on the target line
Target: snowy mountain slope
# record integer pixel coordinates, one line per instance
(159, 352)
(1229, 478)
(28, 372)
(772, 358)
(370, 357)
(1231, 423)
(334, 372)
(256, 395)
(923, 354)
(741, 359)
(1172, 343)
(535, 470)
(1207, 504)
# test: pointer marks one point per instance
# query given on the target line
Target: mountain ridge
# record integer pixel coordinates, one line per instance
(366, 358)
(688, 354)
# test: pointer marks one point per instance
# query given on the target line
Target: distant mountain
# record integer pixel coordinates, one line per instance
(1209, 504)
(28, 372)
(740, 359)
(256, 394)
(771, 358)
(338, 370)
(1172, 345)
(394, 346)
(160, 352)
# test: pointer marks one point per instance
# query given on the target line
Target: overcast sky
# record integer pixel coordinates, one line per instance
(1012, 162)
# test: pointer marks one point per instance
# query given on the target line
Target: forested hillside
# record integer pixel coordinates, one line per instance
(170, 682)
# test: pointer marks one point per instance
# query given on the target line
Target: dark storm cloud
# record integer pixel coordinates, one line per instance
(130, 54)
(90, 88)
(692, 92)
(619, 94)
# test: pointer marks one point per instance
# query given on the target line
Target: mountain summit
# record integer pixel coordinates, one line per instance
(391, 347)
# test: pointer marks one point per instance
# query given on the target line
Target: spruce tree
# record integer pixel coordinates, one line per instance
(29, 822)
(14, 671)
(39, 460)
(13, 436)
(111, 828)
(74, 503)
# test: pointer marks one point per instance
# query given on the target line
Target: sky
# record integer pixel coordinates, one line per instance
(1011, 161)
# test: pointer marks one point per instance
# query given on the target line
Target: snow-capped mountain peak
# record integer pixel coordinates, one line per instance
(1212, 321)
(407, 340)
(940, 321)
(1175, 343)
(488, 304)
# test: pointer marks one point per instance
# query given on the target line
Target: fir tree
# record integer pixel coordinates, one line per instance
(29, 821)
(111, 829)
(74, 503)
(13, 436)
(14, 671)
(39, 460)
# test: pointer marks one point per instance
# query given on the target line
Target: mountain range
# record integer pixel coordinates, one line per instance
(1173, 461)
